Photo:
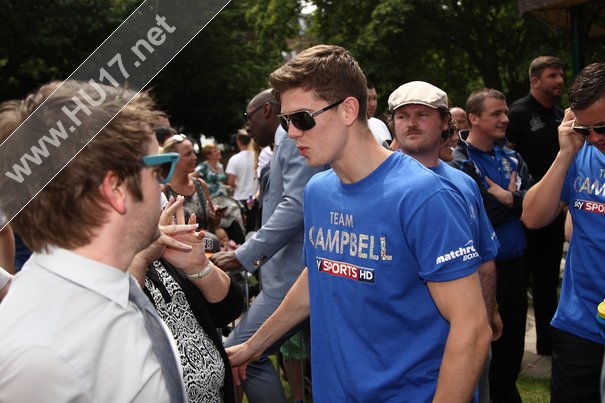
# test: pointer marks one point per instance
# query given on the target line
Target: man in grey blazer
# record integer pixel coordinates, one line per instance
(276, 246)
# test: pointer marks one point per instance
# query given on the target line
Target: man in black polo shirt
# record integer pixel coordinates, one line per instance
(532, 132)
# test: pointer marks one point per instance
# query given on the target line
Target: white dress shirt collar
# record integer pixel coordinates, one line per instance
(108, 281)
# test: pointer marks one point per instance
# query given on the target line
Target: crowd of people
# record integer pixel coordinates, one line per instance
(395, 255)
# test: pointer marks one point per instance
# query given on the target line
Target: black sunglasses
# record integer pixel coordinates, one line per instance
(304, 120)
(248, 115)
(585, 130)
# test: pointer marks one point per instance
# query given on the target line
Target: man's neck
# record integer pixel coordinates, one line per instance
(114, 243)
(478, 140)
(106, 255)
(542, 99)
(429, 160)
(363, 147)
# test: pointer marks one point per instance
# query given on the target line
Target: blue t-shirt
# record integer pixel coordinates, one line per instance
(370, 248)
(484, 235)
(584, 277)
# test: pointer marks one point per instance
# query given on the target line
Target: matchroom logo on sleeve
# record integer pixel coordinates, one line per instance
(342, 269)
(466, 252)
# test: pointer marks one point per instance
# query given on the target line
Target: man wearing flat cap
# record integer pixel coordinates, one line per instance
(421, 124)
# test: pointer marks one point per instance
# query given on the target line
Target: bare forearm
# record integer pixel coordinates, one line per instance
(293, 310)
(463, 359)
(505, 197)
(487, 276)
(460, 303)
(214, 286)
(542, 201)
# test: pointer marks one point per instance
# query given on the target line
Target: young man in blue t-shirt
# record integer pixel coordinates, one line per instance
(575, 179)
(396, 307)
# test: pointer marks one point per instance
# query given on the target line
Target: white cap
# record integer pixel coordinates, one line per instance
(418, 92)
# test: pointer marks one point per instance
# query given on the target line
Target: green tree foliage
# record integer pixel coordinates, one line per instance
(47, 40)
(273, 21)
(204, 89)
(458, 45)
(207, 86)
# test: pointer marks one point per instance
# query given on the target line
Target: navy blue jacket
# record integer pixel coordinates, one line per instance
(498, 165)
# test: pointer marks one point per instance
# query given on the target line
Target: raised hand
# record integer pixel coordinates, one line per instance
(167, 238)
(189, 260)
(569, 140)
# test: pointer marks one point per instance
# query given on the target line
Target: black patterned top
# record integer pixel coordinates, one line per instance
(206, 370)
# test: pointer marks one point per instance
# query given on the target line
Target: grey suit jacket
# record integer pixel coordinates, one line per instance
(277, 245)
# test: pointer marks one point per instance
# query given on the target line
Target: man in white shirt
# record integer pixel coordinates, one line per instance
(69, 329)
(378, 128)
(240, 168)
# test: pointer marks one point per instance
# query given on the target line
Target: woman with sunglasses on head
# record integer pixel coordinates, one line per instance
(195, 190)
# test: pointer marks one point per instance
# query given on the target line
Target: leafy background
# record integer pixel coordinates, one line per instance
(458, 45)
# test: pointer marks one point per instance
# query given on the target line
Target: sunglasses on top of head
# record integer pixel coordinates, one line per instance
(585, 130)
(173, 140)
(165, 164)
(177, 138)
(303, 120)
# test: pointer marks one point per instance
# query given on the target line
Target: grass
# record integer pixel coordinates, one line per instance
(534, 390)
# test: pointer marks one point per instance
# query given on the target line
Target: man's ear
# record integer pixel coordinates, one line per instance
(351, 108)
(445, 124)
(113, 191)
(473, 119)
(267, 110)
